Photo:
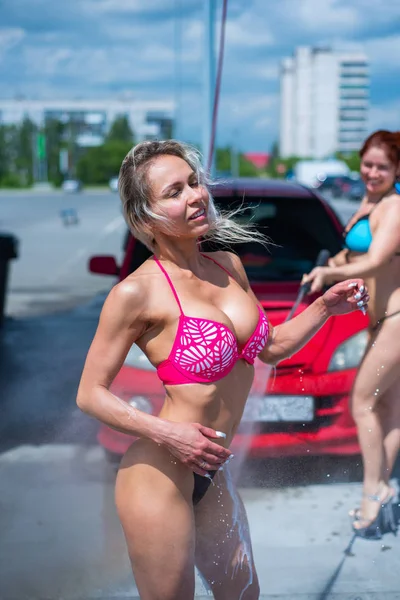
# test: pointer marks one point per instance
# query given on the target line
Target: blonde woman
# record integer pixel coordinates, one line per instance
(197, 320)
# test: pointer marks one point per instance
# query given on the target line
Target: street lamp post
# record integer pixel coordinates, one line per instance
(209, 79)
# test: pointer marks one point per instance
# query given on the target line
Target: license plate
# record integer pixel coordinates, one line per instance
(273, 409)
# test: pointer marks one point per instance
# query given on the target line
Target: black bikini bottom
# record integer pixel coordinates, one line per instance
(380, 321)
(201, 485)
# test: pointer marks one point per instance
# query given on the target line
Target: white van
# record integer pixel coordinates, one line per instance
(312, 172)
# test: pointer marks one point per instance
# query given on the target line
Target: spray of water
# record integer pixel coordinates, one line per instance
(242, 556)
(250, 424)
(240, 524)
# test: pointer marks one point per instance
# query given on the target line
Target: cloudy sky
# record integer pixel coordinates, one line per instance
(152, 49)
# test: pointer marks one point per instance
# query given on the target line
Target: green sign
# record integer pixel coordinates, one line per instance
(41, 145)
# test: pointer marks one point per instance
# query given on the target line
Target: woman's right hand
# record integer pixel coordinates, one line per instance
(190, 443)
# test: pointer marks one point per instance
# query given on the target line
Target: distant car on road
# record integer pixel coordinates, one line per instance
(337, 185)
(71, 185)
(304, 407)
(113, 184)
(356, 191)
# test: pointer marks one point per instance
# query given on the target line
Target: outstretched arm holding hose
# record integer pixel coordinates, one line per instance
(289, 337)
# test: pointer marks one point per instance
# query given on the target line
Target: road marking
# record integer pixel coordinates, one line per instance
(86, 250)
(114, 225)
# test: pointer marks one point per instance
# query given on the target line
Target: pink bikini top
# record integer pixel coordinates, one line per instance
(205, 351)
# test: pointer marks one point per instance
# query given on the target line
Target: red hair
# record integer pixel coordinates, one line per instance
(388, 140)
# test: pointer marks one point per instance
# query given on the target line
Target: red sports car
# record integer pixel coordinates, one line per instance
(304, 406)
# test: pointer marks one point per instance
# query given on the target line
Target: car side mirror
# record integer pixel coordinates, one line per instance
(103, 265)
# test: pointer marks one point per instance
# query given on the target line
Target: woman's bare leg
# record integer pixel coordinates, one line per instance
(154, 503)
(224, 554)
(388, 410)
(378, 372)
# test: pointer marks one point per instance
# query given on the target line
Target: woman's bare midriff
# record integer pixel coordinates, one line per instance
(217, 405)
(384, 288)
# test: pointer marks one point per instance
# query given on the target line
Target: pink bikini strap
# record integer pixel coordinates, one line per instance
(171, 285)
(218, 264)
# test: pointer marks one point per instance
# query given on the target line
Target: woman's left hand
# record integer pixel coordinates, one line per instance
(346, 296)
(319, 278)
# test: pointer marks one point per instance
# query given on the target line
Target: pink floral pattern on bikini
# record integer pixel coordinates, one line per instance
(258, 341)
(205, 347)
(208, 348)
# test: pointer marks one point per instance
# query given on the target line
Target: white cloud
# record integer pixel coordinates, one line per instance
(326, 15)
(247, 104)
(10, 37)
(93, 66)
(248, 31)
(320, 17)
(192, 34)
(269, 72)
(125, 6)
(368, 11)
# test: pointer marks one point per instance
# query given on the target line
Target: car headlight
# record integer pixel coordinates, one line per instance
(140, 403)
(349, 354)
(136, 358)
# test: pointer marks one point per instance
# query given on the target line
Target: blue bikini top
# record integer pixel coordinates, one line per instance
(359, 237)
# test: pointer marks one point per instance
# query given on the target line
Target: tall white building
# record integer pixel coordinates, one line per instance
(92, 118)
(324, 102)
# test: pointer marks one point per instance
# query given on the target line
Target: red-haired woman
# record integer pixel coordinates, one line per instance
(372, 251)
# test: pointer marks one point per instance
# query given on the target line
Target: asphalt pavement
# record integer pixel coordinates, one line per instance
(59, 534)
(57, 233)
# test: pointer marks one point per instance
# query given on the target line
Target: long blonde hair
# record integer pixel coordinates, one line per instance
(135, 192)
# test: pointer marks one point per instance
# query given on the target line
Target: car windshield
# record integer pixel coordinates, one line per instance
(298, 231)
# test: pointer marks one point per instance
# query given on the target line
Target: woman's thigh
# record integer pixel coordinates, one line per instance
(154, 503)
(379, 370)
(389, 407)
(224, 554)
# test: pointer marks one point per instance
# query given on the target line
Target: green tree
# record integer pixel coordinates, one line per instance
(3, 153)
(120, 131)
(24, 151)
(223, 161)
(55, 135)
(99, 164)
(246, 168)
(352, 160)
(9, 153)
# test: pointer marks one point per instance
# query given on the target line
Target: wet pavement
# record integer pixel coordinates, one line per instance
(59, 533)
